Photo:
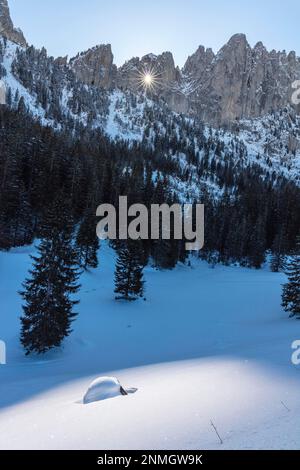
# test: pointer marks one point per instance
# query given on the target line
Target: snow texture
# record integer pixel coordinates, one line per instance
(104, 388)
(208, 345)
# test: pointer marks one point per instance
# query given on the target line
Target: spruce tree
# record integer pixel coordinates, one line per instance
(129, 283)
(87, 241)
(278, 249)
(48, 308)
(291, 290)
(165, 253)
(256, 248)
(277, 262)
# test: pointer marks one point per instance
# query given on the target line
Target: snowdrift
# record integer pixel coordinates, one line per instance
(104, 388)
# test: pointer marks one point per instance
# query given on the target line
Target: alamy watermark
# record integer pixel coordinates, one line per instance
(296, 353)
(296, 94)
(2, 353)
(2, 92)
(165, 222)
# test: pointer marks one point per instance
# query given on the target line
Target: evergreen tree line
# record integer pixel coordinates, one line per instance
(252, 216)
(62, 254)
(51, 184)
(291, 290)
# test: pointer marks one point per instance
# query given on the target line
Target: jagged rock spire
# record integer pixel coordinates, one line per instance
(7, 28)
(95, 66)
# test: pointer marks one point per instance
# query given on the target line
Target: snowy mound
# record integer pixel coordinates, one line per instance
(104, 388)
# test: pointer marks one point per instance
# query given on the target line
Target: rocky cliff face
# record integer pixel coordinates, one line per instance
(238, 82)
(166, 77)
(7, 28)
(96, 67)
(162, 67)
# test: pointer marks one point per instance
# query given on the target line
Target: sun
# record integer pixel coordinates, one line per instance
(148, 79)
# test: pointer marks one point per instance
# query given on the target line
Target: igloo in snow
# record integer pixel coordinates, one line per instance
(104, 388)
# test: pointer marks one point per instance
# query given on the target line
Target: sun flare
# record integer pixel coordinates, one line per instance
(148, 79)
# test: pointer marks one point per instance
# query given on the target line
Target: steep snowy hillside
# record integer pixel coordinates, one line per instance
(197, 350)
(274, 141)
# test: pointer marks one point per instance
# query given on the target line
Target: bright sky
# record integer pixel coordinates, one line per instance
(137, 27)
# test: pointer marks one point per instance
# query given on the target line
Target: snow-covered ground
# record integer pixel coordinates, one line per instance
(207, 345)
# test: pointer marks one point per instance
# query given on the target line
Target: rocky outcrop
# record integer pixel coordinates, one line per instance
(161, 67)
(61, 61)
(237, 82)
(240, 82)
(199, 64)
(166, 78)
(96, 67)
(7, 28)
(219, 94)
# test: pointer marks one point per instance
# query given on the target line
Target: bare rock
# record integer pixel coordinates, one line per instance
(96, 67)
(7, 28)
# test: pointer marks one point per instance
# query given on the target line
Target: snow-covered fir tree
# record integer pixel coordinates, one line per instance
(277, 262)
(291, 290)
(87, 241)
(278, 250)
(129, 283)
(48, 292)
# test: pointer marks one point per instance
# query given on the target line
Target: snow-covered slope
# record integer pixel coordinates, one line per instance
(206, 346)
(274, 141)
(54, 95)
(17, 89)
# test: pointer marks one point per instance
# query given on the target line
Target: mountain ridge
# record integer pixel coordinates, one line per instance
(51, 92)
(238, 82)
(74, 96)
